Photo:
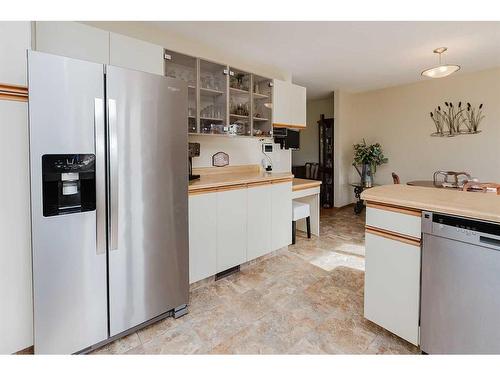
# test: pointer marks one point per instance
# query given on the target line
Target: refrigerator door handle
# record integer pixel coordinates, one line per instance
(113, 174)
(100, 171)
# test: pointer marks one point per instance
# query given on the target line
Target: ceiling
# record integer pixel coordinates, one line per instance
(351, 56)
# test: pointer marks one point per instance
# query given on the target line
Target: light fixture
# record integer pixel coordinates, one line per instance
(441, 70)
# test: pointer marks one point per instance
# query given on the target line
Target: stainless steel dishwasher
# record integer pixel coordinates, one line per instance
(460, 299)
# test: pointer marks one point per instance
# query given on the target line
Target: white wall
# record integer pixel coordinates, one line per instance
(309, 136)
(398, 118)
(241, 151)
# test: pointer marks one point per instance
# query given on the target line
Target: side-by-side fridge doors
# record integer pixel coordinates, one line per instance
(148, 226)
(66, 125)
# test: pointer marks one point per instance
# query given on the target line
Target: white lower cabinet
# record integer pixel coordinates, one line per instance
(281, 215)
(259, 211)
(231, 228)
(202, 236)
(392, 285)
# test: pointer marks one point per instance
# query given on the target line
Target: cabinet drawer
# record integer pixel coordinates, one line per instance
(398, 220)
(392, 285)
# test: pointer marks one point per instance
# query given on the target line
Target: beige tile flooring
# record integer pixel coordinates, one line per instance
(307, 299)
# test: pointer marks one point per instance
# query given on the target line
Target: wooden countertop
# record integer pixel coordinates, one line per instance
(213, 179)
(483, 206)
(302, 183)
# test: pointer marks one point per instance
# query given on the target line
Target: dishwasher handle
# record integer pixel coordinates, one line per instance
(490, 241)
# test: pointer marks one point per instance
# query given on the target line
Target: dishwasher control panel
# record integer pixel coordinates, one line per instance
(463, 229)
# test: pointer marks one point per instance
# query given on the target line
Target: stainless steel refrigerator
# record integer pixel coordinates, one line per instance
(108, 155)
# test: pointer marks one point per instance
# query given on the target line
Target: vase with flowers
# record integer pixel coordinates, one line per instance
(368, 157)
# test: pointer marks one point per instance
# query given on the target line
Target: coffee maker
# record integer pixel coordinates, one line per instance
(193, 151)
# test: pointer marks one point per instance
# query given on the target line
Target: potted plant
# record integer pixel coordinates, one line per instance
(369, 157)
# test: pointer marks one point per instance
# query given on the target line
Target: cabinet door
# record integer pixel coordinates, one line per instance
(281, 215)
(392, 285)
(259, 221)
(281, 102)
(298, 108)
(231, 228)
(73, 39)
(16, 313)
(135, 54)
(15, 39)
(202, 236)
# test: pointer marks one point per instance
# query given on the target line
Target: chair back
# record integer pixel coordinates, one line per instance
(395, 178)
(482, 186)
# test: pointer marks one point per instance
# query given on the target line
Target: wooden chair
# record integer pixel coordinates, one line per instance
(483, 186)
(395, 178)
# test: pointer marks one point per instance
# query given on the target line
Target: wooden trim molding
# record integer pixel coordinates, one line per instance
(232, 187)
(282, 180)
(293, 126)
(306, 186)
(28, 350)
(260, 183)
(393, 236)
(13, 92)
(202, 191)
(392, 208)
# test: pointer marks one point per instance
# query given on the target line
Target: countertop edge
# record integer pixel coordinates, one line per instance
(241, 181)
(449, 208)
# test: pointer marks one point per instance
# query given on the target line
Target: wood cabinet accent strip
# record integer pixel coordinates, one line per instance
(202, 191)
(260, 183)
(393, 236)
(282, 180)
(295, 126)
(398, 209)
(13, 92)
(232, 187)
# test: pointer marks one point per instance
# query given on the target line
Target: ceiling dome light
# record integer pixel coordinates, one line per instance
(441, 70)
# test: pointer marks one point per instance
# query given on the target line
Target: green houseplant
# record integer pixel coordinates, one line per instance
(369, 157)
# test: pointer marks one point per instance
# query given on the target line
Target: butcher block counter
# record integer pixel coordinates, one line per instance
(214, 179)
(476, 205)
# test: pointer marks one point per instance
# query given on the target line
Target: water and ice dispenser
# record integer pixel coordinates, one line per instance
(68, 183)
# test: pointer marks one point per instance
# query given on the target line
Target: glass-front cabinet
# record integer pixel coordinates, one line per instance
(262, 99)
(222, 100)
(213, 97)
(239, 102)
(184, 67)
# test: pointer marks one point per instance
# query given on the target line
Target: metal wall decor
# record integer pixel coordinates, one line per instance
(220, 159)
(455, 120)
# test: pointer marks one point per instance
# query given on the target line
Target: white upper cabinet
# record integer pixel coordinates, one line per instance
(281, 105)
(289, 105)
(73, 39)
(15, 39)
(135, 54)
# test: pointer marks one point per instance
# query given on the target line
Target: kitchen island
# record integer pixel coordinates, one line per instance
(393, 248)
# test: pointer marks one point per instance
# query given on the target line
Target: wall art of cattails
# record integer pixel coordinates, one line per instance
(452, 120)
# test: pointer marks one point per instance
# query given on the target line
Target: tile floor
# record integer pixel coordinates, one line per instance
(307, 299)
